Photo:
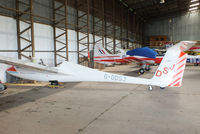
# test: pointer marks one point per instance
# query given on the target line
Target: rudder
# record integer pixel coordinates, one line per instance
(170, 71)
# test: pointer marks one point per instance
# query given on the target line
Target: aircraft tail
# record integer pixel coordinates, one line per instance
(102, 56)
(100, 51)
(170, 71)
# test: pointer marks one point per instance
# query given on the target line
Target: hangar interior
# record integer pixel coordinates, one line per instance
(58, 30)
(49, 32)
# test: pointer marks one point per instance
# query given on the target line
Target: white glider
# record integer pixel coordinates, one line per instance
(169, 73)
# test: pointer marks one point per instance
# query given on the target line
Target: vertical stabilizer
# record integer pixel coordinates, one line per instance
(170, 71)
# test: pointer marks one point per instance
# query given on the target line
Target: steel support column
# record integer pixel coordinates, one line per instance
(60, 32)
(25, 29)
(121, 26)
(114, 30)
(83, 42)
(118, 36)
(131, 32)
(98, 26)
(93, 35)
(109, 31)
(127, 30)
(134, 30)
(103, 22)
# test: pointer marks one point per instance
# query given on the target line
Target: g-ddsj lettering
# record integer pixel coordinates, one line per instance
(115, 77)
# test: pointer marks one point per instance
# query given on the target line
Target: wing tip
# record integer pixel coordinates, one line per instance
(11, 69)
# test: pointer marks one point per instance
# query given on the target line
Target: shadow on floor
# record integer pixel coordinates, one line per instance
(14, 100)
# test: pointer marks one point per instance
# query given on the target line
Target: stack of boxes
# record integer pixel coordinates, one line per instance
(158, 41)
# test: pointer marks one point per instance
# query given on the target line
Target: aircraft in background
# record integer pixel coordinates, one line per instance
(103, 57)
(195, 59)
(194, 50)
(144, 57)
(169, 73)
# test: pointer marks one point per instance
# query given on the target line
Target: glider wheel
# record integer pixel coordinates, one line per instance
(55, 84)
(147, 68)
(3, 87)
(162, 88)
(150, 88)
(141, 71)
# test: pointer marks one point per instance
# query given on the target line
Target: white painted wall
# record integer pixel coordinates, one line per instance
(8, 34)
(72, 40)
(8, 41)
(43, 42)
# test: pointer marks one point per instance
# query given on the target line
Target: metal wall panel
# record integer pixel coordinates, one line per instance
(185, 27)
(43, 8)
(9, 4)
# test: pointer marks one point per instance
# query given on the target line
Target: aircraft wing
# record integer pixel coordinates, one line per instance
(27, 65)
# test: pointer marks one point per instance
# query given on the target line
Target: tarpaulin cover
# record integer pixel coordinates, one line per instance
(145, 51)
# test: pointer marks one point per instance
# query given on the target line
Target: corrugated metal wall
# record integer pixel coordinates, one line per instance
(184, 27)
(41, 8)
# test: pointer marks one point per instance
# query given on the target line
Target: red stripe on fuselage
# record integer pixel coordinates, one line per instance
(135, 58)
(157, 59)
(129, 59)
(194, 48)
(112, 60)
(106, 56)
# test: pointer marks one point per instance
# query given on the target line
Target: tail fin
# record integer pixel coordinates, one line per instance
(170, 71)
(100, 51)
(179, 70)
(102, 56)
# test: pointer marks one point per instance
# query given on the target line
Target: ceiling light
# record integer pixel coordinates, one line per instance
(196, 4)
(162, 1)
(194, 8)
(193, 0)
(193, 11)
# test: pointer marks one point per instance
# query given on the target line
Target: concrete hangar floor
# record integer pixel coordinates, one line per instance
(103, 108)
